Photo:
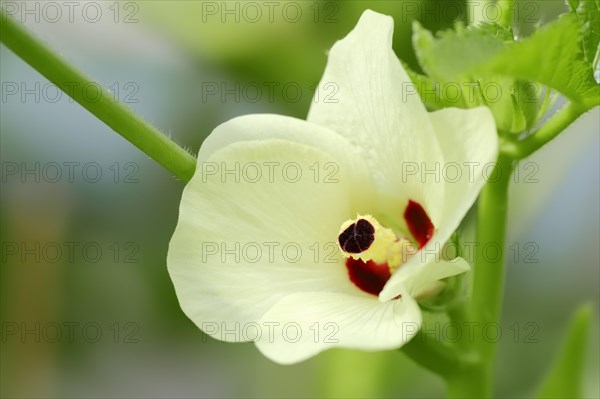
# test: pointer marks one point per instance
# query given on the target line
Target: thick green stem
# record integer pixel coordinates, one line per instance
(476, 379)
(467, 366)
(101, 104)
(491, 228)
(488, 282)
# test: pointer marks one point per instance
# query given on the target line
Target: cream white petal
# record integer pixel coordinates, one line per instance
(242, 245)
(272, 126)
(469, 140)
(306, 323)
(376, 109)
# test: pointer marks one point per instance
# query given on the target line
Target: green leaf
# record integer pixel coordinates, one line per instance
(432, 93)
(564, 379)
(443, 58)
(588, 13)
(552, 56)
(450, 60)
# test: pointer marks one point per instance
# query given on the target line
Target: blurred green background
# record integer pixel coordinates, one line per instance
(88, 309)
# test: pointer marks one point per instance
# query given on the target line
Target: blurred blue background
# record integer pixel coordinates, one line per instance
(86, 218)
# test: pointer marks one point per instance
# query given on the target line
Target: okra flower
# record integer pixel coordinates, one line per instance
(306, 235)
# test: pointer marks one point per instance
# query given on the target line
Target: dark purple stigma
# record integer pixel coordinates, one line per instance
(358, 237)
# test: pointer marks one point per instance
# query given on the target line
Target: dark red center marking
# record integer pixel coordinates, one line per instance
(358, 237)
(368, 276)
(418, 223)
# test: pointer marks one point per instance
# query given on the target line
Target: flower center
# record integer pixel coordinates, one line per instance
(373, 252)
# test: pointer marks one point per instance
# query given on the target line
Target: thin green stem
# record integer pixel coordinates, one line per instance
(552, 128)
(100, 103)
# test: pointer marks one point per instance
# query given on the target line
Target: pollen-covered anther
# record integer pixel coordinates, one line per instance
(400, 252)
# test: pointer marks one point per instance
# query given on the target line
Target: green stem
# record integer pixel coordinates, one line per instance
(476, 379)
(101, 104)
(362, 373)
(552, 128)
(460, 366)
(467, 366)
(468, 382)
(491, 228)
(433, 355)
